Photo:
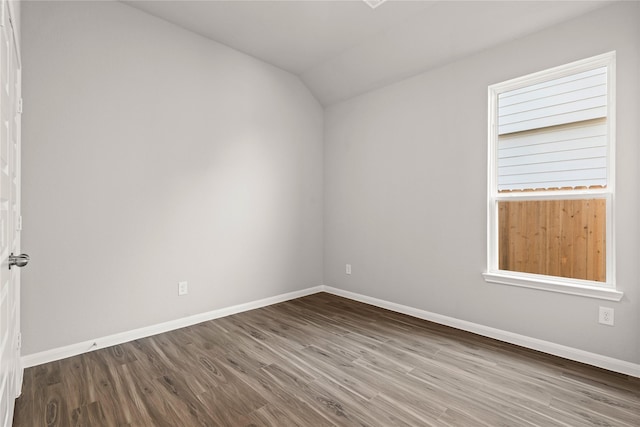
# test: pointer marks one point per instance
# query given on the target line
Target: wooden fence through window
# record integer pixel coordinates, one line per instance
(564, 238)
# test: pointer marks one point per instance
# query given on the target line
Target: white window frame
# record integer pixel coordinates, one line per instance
(602, 290)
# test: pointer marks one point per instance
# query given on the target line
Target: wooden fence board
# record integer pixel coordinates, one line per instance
(564, 238)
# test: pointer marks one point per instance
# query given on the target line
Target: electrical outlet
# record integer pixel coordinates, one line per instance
(347, 269)
(605, 316)
(183, 288)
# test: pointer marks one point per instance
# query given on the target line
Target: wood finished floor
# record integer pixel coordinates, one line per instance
(323, 360)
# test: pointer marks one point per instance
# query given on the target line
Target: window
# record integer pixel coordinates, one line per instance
(551, 180)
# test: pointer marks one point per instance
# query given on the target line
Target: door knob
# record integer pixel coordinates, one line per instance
(18, 260)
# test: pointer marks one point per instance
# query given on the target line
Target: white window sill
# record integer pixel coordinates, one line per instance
(548, 284)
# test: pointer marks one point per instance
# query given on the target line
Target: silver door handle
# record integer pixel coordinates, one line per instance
(18, 260)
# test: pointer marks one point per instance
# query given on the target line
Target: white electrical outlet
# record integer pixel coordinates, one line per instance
(183, 288)
(347, 269)
(605, 316)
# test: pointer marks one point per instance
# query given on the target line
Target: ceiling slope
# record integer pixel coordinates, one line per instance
(344, 48)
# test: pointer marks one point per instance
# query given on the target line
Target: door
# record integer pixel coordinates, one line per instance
(10, 220)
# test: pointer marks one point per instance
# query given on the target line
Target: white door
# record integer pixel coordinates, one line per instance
(10, 222)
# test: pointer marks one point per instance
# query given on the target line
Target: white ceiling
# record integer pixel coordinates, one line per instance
(342, 48)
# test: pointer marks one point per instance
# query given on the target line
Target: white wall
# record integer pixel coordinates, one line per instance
(152, 155)
(405, 190)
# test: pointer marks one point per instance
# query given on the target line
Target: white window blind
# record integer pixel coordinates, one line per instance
(554, 134)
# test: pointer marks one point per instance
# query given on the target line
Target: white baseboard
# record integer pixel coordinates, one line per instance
(570, 353)
(102, 342)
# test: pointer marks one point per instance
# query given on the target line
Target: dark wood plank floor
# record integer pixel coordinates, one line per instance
(323, 361)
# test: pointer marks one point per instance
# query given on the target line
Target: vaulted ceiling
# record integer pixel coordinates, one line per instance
(342, 48)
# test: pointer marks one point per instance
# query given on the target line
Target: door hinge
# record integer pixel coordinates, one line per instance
(19, 340)
(19, 225)
(20, 106)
